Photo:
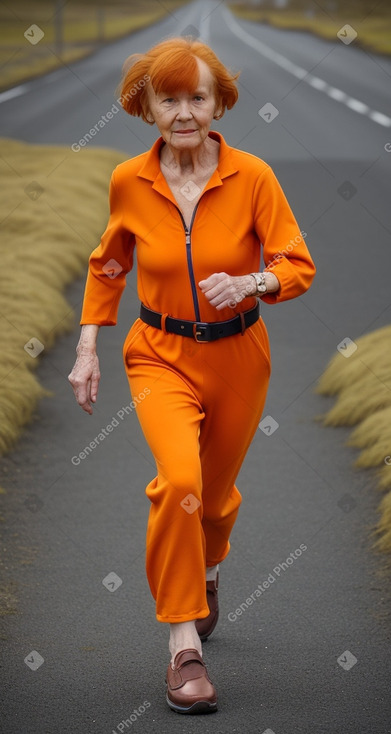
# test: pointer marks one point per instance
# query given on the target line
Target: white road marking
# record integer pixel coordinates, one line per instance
(39, 81)
(14, 92)
(314, 81)
(357, 106)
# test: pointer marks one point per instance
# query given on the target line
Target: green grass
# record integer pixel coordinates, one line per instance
(362, 384)
(84, 28)
(48, 228)
(371, 21)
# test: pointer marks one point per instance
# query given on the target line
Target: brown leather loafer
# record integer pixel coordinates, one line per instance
(189, 688)
(206, 626)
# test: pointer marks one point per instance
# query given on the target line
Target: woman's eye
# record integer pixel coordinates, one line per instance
(198, 97)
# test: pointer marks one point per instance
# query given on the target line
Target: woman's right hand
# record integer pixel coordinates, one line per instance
(84, 378)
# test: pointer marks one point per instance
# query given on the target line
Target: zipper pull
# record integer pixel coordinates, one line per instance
(187, 236)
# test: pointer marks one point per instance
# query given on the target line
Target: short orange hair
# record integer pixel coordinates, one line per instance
(171, 66)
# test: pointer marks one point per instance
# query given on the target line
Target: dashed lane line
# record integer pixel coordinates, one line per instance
(338, 95)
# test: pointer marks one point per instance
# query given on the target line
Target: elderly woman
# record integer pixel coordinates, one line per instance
(198, 212)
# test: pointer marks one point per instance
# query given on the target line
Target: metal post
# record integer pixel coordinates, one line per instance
(100, 19)
(58, 27)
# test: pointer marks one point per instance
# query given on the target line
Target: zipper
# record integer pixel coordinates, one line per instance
(190, 262)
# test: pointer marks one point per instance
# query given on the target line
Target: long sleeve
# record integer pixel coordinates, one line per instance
(284, 250)
(108, 265)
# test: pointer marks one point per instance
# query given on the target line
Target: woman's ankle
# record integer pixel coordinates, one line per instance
(184, 636)
(211, 572)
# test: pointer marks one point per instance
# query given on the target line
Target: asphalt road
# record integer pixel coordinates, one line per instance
(312, 654)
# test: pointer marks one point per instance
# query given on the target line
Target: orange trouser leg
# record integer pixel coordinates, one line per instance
(235, 390)
(199, 419)
(175, 551)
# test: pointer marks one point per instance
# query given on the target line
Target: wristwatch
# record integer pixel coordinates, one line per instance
(261, 283)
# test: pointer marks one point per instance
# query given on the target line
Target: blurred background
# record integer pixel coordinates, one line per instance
(73, 29)
(314, 104)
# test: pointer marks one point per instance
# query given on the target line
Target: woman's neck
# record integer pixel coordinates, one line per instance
(187, 161)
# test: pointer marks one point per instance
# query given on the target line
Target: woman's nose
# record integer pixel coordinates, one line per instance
(184, 112)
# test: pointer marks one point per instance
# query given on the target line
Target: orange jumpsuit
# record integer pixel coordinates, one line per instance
(205, 400)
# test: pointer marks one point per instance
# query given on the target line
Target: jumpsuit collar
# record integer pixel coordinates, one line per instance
(152, 172)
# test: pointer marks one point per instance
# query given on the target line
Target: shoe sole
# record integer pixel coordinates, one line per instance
(199, 707)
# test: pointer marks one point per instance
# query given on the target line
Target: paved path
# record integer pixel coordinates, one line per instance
(303, 530)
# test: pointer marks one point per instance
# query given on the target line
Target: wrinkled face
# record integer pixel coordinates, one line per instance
(184, 119)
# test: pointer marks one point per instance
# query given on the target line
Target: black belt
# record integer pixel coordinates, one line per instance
(201, 331)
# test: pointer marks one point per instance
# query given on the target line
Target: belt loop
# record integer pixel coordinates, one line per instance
(163, 323)
(242, 322)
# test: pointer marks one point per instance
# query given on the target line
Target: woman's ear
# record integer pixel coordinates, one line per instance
(147, 114)
(219, 112)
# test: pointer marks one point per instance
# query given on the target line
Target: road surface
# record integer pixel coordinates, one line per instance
(312, 653)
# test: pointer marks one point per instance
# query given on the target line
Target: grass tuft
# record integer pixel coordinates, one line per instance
(53, 210)
(362, 384)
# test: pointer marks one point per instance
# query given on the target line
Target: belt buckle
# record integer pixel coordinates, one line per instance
(200, 330)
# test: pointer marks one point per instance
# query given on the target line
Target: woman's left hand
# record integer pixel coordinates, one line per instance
(224, 290)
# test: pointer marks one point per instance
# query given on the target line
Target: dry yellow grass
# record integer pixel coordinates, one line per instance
(53, 210)
(362, 384)
(371, 22)
(84, 26)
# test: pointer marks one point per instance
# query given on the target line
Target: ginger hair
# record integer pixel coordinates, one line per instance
(171, 66)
